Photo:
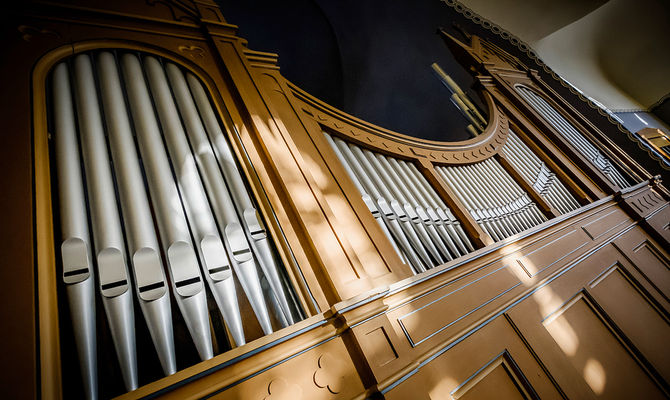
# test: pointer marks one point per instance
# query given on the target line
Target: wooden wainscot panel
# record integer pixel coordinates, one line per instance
(306, 361)
(606, 223)
(444, 308)
(635, 312)
(384, 351)
(650, 259)
(325, 372)
(491, 363)
(440, 306)
(584, 334)
(548, 253)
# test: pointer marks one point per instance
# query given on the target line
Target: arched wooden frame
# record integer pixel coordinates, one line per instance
(590, 172)
(425, 154)
(394, 144)
(45, 249)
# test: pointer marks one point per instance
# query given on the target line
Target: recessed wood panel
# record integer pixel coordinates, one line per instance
(596, 354)
(497, 380)
(553, 251)
(455, 303)
(654, 265)
(491, 363)
(623, 301)
(605, 224)
(380, 348)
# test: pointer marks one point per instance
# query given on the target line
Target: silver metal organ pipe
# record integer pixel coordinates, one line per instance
(396, 197)
(424, 209)
(440, 211)
(513, 198)
(109, 246)
(78, 273)
(398, 211)
(496, 198)
(366, 196)
(236, 242)
(146, 264)
(183, 266)
(468, 183)
(480, 215)
(580, 142)
(385, 210)
(555, 187)
(253, 226)
(419, 216)
(208, 244)
(498, 178)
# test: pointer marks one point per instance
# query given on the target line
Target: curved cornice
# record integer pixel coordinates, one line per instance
(532, 55)
(403, 146)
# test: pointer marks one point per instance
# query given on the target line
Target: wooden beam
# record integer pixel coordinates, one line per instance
(471, 227)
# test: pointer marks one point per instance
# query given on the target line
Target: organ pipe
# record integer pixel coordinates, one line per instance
(216, 265)
(146, 264)
(408, 209)
(573, 136)
(150, 138)
(493, 198)
(78, 273)
(110, 249)
(182, 263)
(236, 241)
(538, 174)
(252, 224)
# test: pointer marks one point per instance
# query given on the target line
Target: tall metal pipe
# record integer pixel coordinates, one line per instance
(208, 244)
(441, 209)
(405, 193)
(236, 241)
(78, 272)
(442, 224)
(395, 206)
(146, 264)
(183, 266)
(254, 228)
(366, 196)
(397, 197)
(110, 249)
(386, 212)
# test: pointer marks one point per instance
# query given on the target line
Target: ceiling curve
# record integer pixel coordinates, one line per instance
(615, 51)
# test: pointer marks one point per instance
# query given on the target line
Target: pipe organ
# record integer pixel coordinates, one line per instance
(495, 201)
(187, 223)
(205, 235)
(572, 135)
(422, 228)
(534, 170)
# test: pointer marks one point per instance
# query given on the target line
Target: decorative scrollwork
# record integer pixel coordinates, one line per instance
(28, 32)
(280, 389)
(328, 374)
(192, 51)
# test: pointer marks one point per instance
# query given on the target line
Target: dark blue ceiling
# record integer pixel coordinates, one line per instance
(368, 58)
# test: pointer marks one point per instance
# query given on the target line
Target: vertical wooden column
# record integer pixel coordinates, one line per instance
(282, 147)
(470, 226)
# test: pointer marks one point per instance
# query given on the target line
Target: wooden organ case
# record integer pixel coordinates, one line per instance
(528, 262)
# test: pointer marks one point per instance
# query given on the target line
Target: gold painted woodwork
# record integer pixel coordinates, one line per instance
(479, 322)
